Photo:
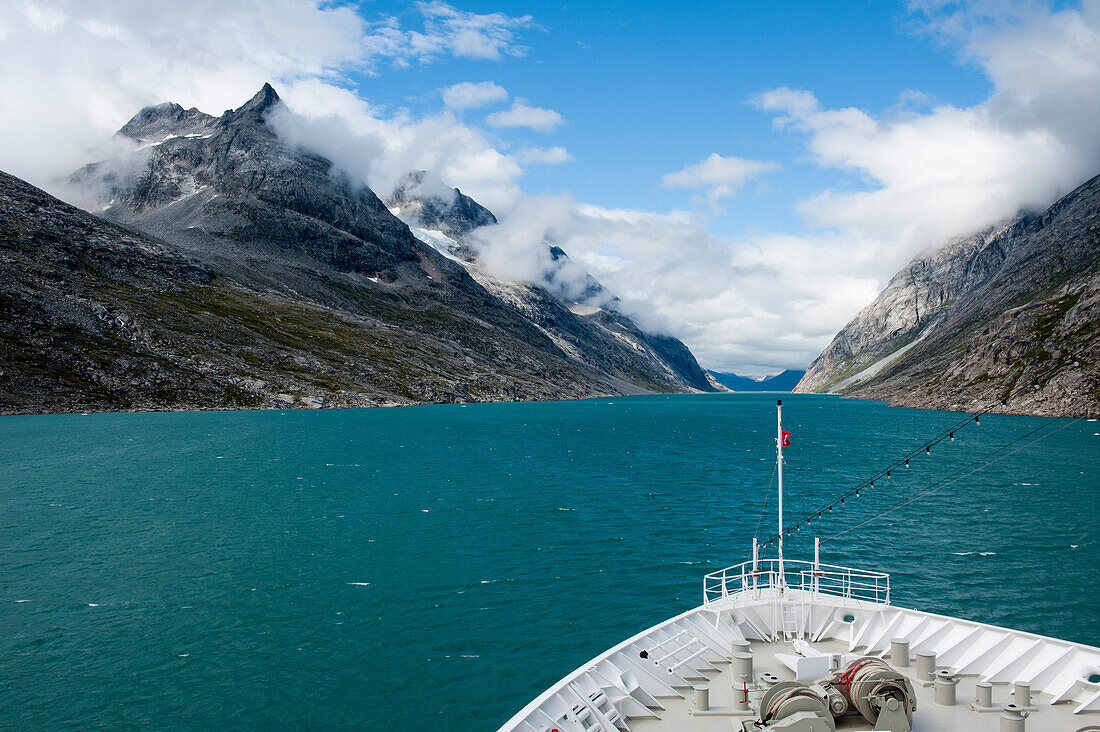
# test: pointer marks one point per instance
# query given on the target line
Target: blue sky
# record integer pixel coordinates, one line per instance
(744, 176)
(646, 89)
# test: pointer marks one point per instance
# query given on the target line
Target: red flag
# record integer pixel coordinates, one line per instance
(786, 438)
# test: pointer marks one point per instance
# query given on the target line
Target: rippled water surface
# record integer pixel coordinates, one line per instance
(437, 567)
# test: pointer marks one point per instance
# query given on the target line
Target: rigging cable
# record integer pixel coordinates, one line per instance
(926, 447)
(952, 479)
(767, 497)
(885, 472)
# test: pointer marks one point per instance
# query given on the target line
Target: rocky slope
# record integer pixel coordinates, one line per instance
(235, 271)
(1007, 320)
(568, 304)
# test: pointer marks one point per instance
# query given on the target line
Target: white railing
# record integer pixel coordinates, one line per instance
(820, 579)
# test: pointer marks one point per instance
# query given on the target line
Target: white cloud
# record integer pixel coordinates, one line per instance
(447, 31)
(473, 35)
(106, 31)
(469, 95)
(72, 72)
(796, 102)
(523, 115)
(949, 170)
(44, 18)
(378, 149)
(941, 174)
(754, 305)
(721, 177)
(542, 155)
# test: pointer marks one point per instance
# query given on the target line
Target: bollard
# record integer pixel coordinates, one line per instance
(899, 652)
(1021, 694)
(983, 695)
(945, 688)
(741, 677)
(926, 666)
(702, 698)
(740, 646)
(742, 669)
(1012, 719)
(741, 673)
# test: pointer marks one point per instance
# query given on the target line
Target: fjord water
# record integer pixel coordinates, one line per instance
(437, 567)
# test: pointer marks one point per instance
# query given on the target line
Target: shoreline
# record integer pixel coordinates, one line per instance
(302, 407)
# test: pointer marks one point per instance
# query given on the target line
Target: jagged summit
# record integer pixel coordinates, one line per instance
(423, 199)
(158, 122)
(209, 183)
(257, 107)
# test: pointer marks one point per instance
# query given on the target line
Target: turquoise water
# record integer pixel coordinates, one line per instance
(437, 567)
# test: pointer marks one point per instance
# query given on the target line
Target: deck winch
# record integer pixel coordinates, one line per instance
(796, 707)
(867, 686)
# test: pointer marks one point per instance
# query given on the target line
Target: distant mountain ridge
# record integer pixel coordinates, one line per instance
(783, 381)
(1007, 320)
(248, 273)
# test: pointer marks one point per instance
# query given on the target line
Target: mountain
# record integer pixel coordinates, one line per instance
(227, 269)
(227, 189)
(1007, 320)
(784, 381)
(568, 304)
(98, 316)
(437, 207)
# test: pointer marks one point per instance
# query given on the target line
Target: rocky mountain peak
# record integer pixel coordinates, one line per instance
(205, 182)
(425, 200)
(257, 107)
(156, 122)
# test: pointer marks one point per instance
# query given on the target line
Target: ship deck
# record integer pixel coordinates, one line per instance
(929, 716)
(823, 616)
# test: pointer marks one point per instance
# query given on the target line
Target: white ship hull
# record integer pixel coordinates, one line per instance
(678, 675)
(805, 647)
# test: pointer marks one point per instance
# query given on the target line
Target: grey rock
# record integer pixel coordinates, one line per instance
(435, 206)
(1002, 321)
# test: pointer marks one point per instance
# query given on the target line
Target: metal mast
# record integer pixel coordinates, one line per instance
(779, 464)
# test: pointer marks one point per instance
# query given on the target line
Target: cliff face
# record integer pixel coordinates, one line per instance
(230, 270)
(1005, 321)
